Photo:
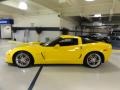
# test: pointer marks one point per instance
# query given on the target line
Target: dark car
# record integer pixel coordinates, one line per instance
(98, 37)
(115, 39)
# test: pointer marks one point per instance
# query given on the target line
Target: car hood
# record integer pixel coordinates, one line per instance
(31, 44)
(30, 47)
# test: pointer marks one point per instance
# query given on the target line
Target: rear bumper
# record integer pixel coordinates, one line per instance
(107, 55)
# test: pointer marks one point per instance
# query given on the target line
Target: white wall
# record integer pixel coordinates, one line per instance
(49, 34)
(69, 23)
(43, 20)
(71, 33)
(33, 36)
(19, 35)
(46, 20)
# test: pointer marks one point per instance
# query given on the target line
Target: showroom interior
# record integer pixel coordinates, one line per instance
(31, 22)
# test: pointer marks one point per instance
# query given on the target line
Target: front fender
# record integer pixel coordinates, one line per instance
(34, 51)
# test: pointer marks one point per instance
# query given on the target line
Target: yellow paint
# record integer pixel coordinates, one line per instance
(61, 54)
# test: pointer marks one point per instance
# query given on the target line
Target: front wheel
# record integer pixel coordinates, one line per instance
(93, 60)
(22, 59)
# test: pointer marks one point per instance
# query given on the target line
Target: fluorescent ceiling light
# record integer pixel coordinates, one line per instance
(97, 15)
(89, 0)
(23, 5)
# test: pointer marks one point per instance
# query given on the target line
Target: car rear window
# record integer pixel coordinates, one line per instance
(86, 40)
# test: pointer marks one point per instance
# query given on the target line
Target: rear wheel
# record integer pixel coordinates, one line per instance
(93, 60)
(23, 59)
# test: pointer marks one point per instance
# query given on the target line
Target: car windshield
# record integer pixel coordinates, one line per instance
(50, 42)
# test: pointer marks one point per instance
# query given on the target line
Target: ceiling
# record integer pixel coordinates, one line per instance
(81, 7)
(10, 8)
(63, 7)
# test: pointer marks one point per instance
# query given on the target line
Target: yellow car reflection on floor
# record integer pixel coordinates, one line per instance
(65, 49)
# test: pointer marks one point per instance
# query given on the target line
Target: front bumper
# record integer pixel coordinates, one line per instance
(8, 57)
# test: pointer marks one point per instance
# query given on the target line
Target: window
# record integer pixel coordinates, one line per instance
(68, 42)
(62, 42)
(86, 40)
(53, 42)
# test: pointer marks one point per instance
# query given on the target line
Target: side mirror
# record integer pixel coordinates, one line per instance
(57, 46)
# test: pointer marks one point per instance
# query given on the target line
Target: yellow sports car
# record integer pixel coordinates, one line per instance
(65, 49)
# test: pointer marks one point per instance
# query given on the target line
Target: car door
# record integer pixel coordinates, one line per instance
(65, 51)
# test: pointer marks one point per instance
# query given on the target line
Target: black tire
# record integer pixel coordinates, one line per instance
(93, 60)
(22, 59)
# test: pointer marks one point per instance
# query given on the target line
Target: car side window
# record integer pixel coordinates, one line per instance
(68, 42)
(54, 42)
(86, 40)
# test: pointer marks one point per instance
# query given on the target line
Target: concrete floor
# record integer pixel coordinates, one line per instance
(75, 77)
